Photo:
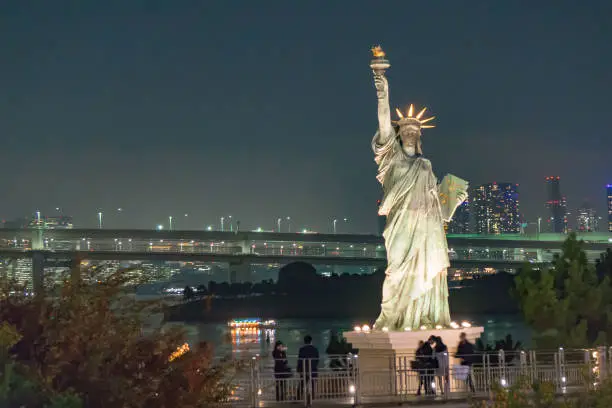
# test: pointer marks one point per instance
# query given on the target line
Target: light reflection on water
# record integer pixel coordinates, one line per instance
(292, 331)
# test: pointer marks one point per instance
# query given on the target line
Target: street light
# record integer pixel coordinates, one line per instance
(160, 227)
(222, 220)
(335, 221)
(288, 224)
(170, 223)
(231, 224)
(100, 219)
(278, 224)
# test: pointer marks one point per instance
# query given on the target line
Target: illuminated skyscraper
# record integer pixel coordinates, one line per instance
(556, 206)
(496, 208)
(586, 219)
(460, 224)
(609, 188)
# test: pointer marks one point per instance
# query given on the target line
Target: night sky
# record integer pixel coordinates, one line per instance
(261, 109)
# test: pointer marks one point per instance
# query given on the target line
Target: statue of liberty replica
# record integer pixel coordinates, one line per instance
(415, 290)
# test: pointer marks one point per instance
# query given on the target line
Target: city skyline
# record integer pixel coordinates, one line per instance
(134, 107)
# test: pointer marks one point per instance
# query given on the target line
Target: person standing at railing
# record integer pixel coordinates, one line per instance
(308, 367)
(424, 364)
(465, 352)
(441, 355)
(282, 371)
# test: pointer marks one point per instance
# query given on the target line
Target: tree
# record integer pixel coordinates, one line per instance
(87, 342)
(297, 277)
(566, 304)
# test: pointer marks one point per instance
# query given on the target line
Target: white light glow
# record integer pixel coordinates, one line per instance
(466, 324)
(365, 328)
(357, 329)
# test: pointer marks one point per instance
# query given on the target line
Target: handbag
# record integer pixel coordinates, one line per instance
(461, 372)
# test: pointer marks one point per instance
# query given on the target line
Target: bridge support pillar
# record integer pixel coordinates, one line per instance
(239, 272)
(38, 272)
(38, 242)
(245, 247)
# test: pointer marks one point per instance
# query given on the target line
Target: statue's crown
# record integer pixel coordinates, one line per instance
(413, 120)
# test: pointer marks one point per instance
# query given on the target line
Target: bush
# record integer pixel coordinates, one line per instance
(85, 347)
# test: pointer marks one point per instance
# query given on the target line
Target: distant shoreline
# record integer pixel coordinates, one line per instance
(487, 296)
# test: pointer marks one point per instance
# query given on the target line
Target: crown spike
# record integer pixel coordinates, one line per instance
(428, 126)
(428, 119)
(418, 116)
(399, 113)
(410, 110)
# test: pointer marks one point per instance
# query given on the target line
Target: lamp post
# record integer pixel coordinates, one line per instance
(334, 223)
(288, 224)
(222, 225)
(231, 224)
(278, 224)
(170, 223)
(100, 219)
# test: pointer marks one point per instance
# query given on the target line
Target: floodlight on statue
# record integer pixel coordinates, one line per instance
(357, 329)
(365, 328)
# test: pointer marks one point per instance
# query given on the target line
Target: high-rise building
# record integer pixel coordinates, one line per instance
(609, 188)
(586, 219)
(460, 223)
(496, 208)
(556, 206)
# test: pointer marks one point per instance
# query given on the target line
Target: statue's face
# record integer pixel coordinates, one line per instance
(409, 134)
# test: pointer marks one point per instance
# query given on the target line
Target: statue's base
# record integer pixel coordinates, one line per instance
(385, 357)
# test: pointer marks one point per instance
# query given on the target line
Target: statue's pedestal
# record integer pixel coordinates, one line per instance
(385, 357)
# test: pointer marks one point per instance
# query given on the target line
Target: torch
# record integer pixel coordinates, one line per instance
(379, 64)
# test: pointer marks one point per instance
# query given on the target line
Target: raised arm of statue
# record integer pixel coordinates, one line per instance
(384, 112)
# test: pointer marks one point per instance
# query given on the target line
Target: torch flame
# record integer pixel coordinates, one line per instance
(378, 52)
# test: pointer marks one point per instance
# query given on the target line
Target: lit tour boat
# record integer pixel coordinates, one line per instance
(251, 324)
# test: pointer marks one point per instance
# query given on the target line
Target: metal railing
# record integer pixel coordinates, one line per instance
(344, 380)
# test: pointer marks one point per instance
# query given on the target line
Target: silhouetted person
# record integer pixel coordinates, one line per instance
(308, 367)
(465, 352)
(424, 365)
(441, 356)
(282, 371)
(336, 352)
